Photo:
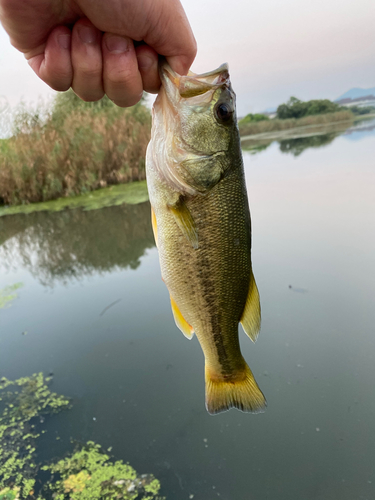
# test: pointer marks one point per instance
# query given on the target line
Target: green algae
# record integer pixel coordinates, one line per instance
(86, 474)
(7, 295)
(131, 194)
(21, 402)
(9, 494)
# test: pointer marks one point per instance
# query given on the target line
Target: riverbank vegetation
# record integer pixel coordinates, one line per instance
(253, 118)
(72, 148)
(296, 113)
(291, 123)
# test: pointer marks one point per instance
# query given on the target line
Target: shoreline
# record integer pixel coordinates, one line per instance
(311, 130)
(131, 193)
(136, 191)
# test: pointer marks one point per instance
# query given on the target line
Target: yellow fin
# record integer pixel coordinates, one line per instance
(185, 221)
(242, 393)
(250, 319)
(181, 322)
(154, 226)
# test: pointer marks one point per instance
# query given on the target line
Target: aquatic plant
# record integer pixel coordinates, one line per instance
(86, 474)
(8, 294)
(131, 194)
(21, 401)
(10, 494)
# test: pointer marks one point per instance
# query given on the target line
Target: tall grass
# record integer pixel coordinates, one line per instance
(276, 125)
(74, 148)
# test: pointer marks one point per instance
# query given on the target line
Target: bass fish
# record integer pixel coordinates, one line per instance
(201, 223)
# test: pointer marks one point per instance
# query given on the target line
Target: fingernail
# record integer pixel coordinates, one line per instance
(87, 34)
(117, 44)
(64, 41)
(144, 62)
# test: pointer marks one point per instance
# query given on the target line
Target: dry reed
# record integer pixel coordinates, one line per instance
(83, 151)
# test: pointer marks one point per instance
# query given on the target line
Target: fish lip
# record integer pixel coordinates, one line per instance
(191, 85)
(164, 66)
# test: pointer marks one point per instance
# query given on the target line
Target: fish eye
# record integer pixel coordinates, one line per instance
(223, 112)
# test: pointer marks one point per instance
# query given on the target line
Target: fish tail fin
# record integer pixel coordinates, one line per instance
(241, 392)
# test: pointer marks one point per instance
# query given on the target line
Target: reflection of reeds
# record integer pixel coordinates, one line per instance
(275, 125)
(82, 152)
(72, 244)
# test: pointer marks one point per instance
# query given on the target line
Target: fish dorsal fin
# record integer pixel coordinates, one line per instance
(154, 226)
(181, 322)
(250, 319)
(185, 221)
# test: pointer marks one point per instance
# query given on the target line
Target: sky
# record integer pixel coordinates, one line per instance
(311, 49)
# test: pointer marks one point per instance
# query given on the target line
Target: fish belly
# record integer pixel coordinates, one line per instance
(210, 284)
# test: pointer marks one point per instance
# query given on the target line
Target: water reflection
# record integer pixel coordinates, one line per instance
(73, 243)
(360, 131)
(298, 145)
(298, 140)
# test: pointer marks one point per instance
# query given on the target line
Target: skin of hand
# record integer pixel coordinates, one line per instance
(89, 44)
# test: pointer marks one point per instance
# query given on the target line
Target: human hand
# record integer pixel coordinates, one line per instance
(89, 44)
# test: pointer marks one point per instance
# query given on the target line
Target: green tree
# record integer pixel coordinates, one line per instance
(295, 108)
(253, 118)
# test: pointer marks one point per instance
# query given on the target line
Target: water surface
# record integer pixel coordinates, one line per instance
(97, 315)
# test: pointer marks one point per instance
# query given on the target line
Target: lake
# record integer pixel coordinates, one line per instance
(91, 308)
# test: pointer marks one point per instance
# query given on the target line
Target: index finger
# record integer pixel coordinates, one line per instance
(169, 34)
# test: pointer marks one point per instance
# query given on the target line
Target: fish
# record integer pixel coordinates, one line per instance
(202, 228)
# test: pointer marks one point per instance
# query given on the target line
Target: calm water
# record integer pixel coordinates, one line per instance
(98, 316)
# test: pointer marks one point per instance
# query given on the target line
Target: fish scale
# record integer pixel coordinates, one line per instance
(203, 230)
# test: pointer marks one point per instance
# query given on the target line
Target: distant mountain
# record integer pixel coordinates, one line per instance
(355, 93)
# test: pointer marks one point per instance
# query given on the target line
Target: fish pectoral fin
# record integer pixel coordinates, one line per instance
(185, 221)
(181, 322)
(154, 226)
(250, 319)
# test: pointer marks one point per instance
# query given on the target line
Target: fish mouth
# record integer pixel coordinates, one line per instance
(192, 85)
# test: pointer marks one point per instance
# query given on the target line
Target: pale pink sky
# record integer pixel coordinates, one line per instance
(275, 49)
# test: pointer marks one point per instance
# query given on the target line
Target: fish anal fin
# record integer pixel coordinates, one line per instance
(154, 226)
(181, 322)
(185, 221)
(250, 319)
(241, 392)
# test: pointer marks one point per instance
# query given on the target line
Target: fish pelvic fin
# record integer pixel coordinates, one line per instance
(154, 226)
(241, 392)
(250, 319)
(181, 322)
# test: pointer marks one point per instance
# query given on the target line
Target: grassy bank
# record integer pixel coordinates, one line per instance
(74, 148)
(131, 194)
(265, 126)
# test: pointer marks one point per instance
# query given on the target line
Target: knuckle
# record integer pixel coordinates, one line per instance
(89, 71)
(120, 76)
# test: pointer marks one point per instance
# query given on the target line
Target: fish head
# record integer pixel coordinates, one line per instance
(195, 115)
